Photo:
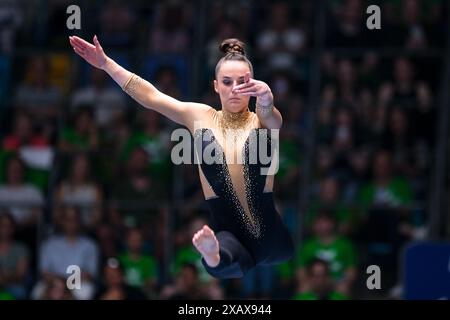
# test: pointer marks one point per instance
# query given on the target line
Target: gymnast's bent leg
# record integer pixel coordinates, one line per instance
(235, 260)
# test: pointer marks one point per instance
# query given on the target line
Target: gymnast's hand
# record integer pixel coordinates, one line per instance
(255, 88)
(92, 53)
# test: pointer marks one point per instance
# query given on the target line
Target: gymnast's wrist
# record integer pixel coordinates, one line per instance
(264, 109)
(107, 66)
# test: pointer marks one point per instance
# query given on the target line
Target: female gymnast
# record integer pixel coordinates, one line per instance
(246, 229)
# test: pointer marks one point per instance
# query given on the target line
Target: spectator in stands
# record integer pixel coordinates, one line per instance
(140, 268)
(14, 260)
(137, 198)
(56, 289)
(324, 120)
(283, 84)
(322, 285)
(116, 140)
(79, 190)
(399, 140)
(12, 14)
(329, 198)
(170, 34)
(359, 166)
(282, 40)
(364, 113)
(386, 202)
(108, 103)
(166, 80)
(71, 247)
(151, 137)
(346, 82)
(368, 71)
(344, 133)
(227, 28)
(296, 115)
(38, 96)
(347, 27)
(186, 287)
(24, 201)
(289, 167)
(82, 136)
(117, 24)
(414, 30)
(385, 189)
(114, 287)
(192, 195)
(424, 119)
(258, 283)
(23, 135)
(325, 163)
(108, 240)
(241, 13)
(404, 86)
(325, 243)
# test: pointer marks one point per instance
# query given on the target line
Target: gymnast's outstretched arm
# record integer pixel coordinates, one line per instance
(142, 91)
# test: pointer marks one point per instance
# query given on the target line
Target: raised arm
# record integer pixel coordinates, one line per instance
(269, 117)
(142, 91)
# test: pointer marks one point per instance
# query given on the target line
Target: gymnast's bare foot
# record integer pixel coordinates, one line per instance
(206, 243)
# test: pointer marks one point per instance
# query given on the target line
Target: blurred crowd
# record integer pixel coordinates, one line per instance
(85, 172)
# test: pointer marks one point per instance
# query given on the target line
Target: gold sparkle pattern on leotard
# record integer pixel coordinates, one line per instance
(249, 185)
(235, 127)
(234, 120)
(236, 178)
(249, 219)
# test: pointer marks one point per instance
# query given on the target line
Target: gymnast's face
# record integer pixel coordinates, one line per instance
(231, 74)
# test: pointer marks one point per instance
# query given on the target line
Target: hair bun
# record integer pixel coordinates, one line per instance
(232, 46)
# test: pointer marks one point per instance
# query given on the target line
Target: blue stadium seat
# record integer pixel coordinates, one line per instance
(426, 268)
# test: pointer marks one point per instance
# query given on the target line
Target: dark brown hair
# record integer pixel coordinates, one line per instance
(234, 51)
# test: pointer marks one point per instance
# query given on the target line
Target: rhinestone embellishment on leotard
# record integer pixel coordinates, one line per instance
(250, 220)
